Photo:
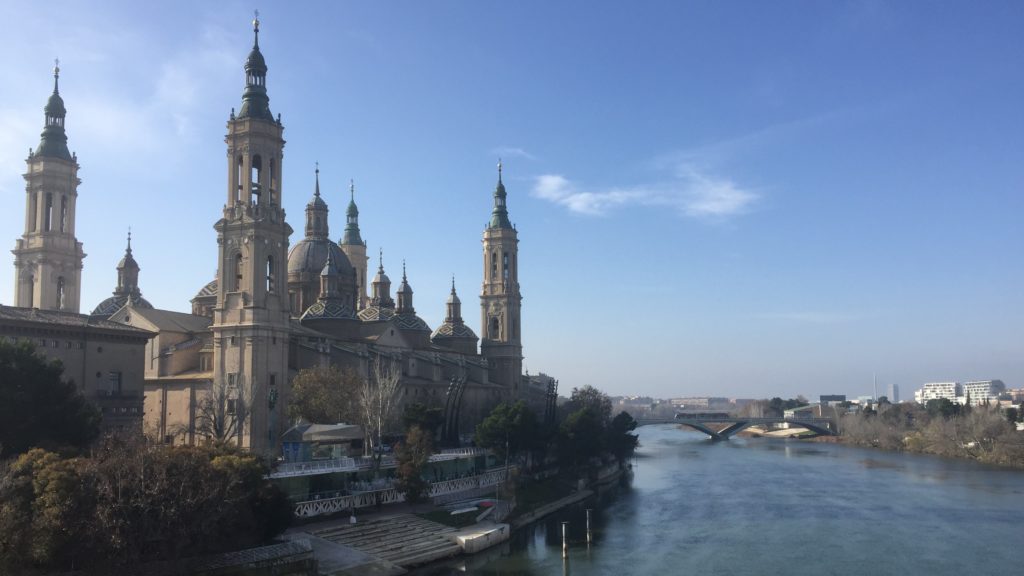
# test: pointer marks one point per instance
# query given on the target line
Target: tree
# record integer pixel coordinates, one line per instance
(131, 502)
(620, 442)
(325, 395)
(580, 436)
(509, 426)
(427, 418)
(37, 407)
(412, 455)
(941, 407)
(378, 396)
(223, 410)
(592, 398)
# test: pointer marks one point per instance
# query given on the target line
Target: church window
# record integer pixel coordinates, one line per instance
(494, 265)
(48, 215)
(494, 329)
(63, 213)
(272, 183)
(257, 167)
(114, 378)
(504, 266)
(237, 273)
(270, 273)
(60, 293)
(238, 178)
(31, 291)
(33, 209)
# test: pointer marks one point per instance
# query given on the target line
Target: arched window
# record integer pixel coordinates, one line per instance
(272, 182)
(494, 330)
(237, 273)
(504, 266)
(34, 211)
(63, 213)
(48, 216)
(256, 169)
(239, 173)
(270, 273)
(494, 265)
(60, 293)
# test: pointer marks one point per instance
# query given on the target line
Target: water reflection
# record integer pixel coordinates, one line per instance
(763, 506)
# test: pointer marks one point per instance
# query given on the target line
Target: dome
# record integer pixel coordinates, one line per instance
(310, 254)
(328, 310)
(452, 330)
(376, 313)
(115, 303)
(255, 61)
(410, 321)
(210, 289)
(128, 262)
(55, 106)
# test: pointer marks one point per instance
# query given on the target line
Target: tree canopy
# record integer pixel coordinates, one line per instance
(37, 407)
(514, 425)
(130, 503)
(325, 395)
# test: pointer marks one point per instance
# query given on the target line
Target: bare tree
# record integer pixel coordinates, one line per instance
(377, 399)
(223, 410)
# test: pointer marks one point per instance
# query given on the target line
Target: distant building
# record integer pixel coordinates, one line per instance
(983, 391)
(894, 393)
(975, 392)
(103, 358)
(832, 398)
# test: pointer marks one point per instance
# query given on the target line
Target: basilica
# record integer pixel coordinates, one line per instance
(275, 306)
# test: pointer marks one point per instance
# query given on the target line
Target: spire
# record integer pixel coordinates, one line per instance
(454, 306)
(127, 272)
(316, 212)
(255, 102)
(382, 287)
(352, 236)
(499, 216)
(53, 141)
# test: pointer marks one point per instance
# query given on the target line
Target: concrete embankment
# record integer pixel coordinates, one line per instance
(550, 507)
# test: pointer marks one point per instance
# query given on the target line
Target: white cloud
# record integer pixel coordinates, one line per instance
(512, 152)
(692, 193)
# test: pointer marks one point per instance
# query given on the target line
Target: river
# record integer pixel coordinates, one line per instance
(773, 506)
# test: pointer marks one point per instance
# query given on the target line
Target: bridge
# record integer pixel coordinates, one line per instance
(733, 425)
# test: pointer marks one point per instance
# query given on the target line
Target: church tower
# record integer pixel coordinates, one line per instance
(48, 257)
(250, 320)
(500, 299)
(355, 248)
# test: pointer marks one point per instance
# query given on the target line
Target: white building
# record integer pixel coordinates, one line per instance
(982, 391)
(951, 391)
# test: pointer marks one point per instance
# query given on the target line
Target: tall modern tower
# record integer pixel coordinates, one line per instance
(48, 257)
(500, 300)
(251, 316)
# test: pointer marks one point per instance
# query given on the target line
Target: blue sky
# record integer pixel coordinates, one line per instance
(713, 198)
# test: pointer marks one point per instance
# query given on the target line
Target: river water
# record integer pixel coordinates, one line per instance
(773, 506)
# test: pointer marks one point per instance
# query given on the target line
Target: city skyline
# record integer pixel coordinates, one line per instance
(736, 200)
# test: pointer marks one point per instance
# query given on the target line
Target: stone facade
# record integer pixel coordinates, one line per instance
(103, 358)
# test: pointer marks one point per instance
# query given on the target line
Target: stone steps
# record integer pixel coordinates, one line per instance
(405, 540)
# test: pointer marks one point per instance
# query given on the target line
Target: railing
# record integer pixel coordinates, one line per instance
(290, 469)
(312, 508)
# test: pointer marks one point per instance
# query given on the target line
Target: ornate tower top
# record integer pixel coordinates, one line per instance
(53, 142)
(352, 236)
(316, 212)
(255, 102)
(405, 295)
(499, 216)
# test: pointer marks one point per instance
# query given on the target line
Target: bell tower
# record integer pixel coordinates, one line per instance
(48, 257)
(251, 316)
(500, 300)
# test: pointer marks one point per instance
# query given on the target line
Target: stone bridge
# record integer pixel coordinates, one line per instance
(722, 428)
